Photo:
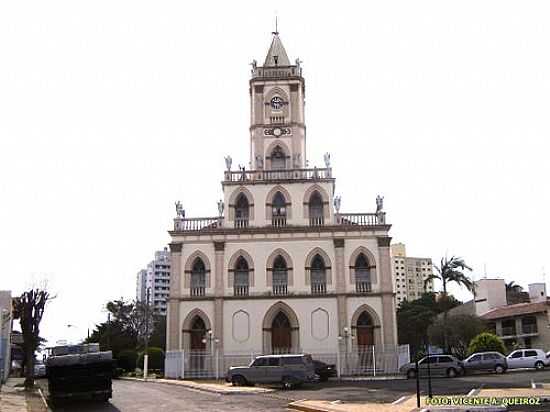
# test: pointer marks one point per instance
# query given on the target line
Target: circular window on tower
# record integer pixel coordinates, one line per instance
(276, 103)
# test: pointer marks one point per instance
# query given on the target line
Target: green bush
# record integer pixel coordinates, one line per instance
(127, 359)
(485, 342)
(156, 359)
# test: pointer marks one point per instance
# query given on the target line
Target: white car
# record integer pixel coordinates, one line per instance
(527, 358)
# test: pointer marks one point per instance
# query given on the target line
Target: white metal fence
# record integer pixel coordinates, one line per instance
(357, 361)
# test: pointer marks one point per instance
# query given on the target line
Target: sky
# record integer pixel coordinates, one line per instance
(112, 111)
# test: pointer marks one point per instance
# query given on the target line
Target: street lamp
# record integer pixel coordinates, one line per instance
(344, 338)
(213, 343)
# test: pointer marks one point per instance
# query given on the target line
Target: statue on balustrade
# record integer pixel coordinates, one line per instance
(221, 206)
(228, 162)
(337, 203)
(327, 160)
(180, 211)
(379, 203)
(259, 162)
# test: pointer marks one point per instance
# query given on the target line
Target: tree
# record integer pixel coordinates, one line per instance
(452, 270)
(29, 309)
(129, 325)
(455, 332)
(486, 342)
(156, 359)
(515, 294)
(414, 318)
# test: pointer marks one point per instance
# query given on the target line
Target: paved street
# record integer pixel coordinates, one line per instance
(142, 397)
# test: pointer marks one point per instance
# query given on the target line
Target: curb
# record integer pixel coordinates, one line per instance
(200, 387)
(48, 409)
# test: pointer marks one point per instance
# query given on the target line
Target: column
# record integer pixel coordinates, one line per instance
(389, 321)
(173, 331)
(340, 284)
(219, 249)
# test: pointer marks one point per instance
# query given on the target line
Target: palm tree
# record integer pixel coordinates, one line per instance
(452, 270)
(513, 287)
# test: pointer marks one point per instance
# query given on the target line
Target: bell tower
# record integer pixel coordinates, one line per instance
(277, 124)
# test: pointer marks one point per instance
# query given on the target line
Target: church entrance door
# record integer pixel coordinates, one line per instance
(281, 334)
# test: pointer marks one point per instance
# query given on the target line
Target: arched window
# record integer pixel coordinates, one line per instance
(280, 276)
(318, 275)
(316, 216)
(242, 279)
(278, 158)
(278, 217)
(242, 211)
(198, 278)
(362, 274)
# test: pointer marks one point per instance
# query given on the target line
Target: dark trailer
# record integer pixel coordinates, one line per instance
(79, 371)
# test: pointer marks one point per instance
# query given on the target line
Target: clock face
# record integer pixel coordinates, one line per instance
(276, 102)
(277, 132)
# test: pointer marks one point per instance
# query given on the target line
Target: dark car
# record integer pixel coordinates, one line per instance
(438, 365)
(485, 362)
(324, 370)
(289, 370)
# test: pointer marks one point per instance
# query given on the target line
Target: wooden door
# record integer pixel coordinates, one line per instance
(281, 334)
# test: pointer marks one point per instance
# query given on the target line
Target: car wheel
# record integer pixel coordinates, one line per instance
(238, 380)
(539, 365)
(451, 372)
(411, 374)
(499, 369)
(288, 383)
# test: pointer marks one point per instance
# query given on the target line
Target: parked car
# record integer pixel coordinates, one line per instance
(527, 358)
(439, 365)
(288, 370)
(39, 369)
(324, 370)
(485, 361)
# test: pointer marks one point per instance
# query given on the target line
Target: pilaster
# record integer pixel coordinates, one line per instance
(340, 284)
(386, 285)
(219, 250)
(173, 314)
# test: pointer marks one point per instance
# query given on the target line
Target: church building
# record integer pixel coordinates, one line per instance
(280, 269)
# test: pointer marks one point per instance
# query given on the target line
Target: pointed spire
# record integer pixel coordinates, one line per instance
(276, 56)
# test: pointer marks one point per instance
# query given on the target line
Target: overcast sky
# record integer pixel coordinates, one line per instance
(112, 110)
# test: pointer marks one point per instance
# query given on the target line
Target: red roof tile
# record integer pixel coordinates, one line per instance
(515, 310)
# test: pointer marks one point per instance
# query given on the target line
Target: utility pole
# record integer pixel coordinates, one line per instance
(146, 356)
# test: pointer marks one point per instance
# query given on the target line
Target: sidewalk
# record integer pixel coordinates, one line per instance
(212, 386)
(13, 399)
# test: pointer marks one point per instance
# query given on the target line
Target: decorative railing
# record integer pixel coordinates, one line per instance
(241, 222)
(278, 221)
(277, 175)
(198, 290)
(318, 288)
(361, 219)
(363, 287)
(240, 290)
(341, 219)
(197, 223)
(280, 289)
(316, 221)
(276, 71)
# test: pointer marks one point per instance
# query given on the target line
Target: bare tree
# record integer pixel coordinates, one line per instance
(29, 309)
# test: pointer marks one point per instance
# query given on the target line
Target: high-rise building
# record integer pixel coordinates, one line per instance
(279, 269)
(156, 278)
(409, 274)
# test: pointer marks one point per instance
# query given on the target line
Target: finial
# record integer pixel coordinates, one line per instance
(276, 32)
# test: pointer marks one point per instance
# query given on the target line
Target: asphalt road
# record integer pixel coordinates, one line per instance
(157, 397)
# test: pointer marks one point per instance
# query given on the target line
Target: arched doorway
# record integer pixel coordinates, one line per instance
(198, 347)
(365, 330)
(281, 334)
(198, 333)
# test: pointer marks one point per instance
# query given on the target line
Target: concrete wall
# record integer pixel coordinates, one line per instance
(5, 333)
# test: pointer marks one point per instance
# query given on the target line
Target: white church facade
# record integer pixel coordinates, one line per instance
(281, 269)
